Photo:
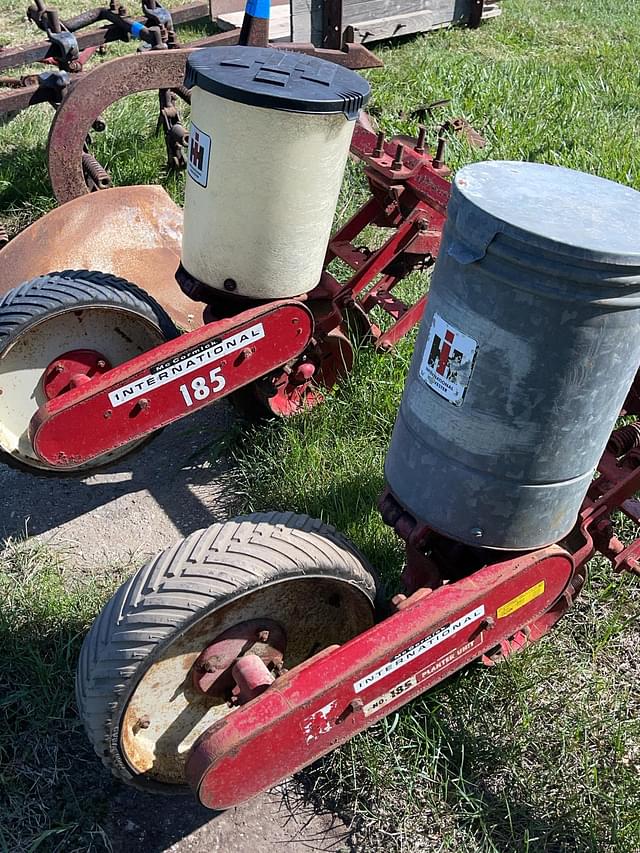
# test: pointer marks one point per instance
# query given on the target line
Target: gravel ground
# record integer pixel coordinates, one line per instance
(124, 514)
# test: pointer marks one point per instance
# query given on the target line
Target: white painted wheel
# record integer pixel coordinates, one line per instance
(135, 684)
(57, 314)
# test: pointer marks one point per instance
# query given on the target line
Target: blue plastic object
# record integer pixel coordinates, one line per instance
(258, 8)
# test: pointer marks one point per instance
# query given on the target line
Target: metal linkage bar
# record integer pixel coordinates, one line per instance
(343, 690)
(115, 31)
(410, 195)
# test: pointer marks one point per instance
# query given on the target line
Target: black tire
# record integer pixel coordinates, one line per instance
(186, 584)
(44, 297)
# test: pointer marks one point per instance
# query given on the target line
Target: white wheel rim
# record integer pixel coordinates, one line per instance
(117, 334)
(175, 714)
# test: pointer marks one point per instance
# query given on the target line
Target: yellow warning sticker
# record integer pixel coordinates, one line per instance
(520, 600)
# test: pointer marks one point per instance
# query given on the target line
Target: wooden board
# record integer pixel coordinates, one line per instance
(374, 20)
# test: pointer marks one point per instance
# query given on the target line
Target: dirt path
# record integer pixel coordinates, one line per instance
(138, 507)
(131, 510)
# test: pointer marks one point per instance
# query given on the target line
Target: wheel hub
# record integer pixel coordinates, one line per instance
(167, 712)
(296, 389)
(225, 668)
(71, 370)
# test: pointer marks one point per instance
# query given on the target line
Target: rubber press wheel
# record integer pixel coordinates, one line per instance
(134, 681)
(60, 329)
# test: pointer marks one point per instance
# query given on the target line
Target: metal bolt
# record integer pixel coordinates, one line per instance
(489, 622)
(397, 163)
(247, 353)
(108, 413)
(59, 368)
(477, 532)
(143, 404)
(143, 722)
(423, 224)
(263, 635)
(422, 136)
(397, 600)
(101, 364)
(438, 160)
(230, 284)
(379, 149)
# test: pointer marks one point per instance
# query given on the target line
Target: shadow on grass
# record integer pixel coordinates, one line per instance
(57, 796)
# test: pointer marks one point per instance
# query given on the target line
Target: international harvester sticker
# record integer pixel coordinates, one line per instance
(199, 152)
(448, 360)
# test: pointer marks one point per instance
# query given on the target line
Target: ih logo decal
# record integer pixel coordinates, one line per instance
(448, 360)
(199, 151)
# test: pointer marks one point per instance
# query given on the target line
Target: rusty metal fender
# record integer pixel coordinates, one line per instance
(132, 232)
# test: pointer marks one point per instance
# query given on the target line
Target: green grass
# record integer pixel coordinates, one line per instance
(539, 754)
(52, 790)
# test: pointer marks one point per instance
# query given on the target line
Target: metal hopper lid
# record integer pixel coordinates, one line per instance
(572, 214)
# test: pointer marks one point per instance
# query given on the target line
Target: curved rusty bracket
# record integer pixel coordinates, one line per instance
(91, 96)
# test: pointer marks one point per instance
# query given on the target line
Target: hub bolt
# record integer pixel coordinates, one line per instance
(263, 635)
